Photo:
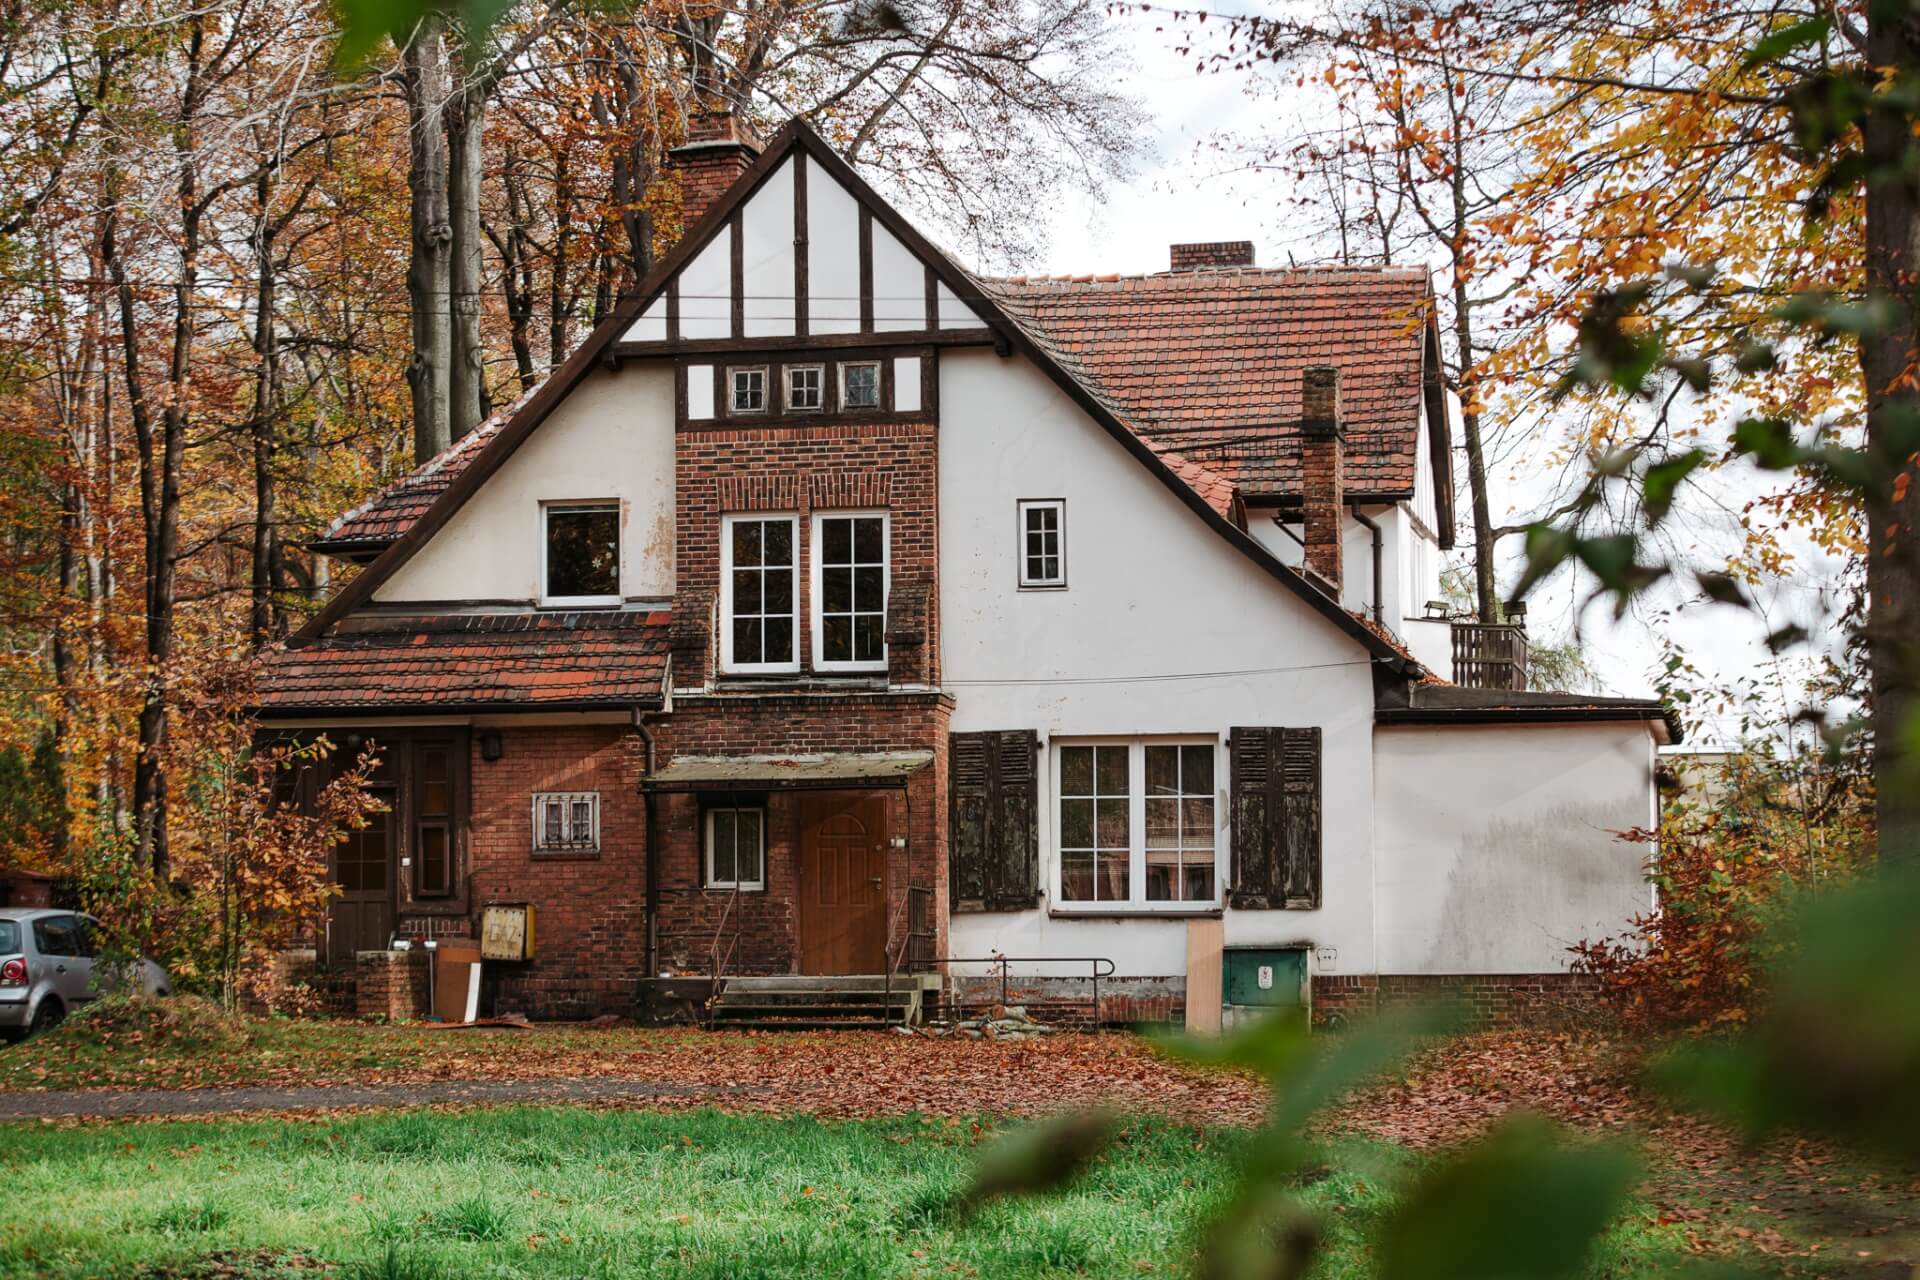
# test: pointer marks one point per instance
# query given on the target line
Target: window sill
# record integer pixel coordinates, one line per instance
(730, 888)
(582, 602)
(1134, 913)
(566, 855)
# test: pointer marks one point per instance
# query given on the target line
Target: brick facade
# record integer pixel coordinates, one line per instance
(717, 151)
(1488, 1001)
(589, 909)
(798, 470)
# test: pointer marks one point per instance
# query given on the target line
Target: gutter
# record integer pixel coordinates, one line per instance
(1527, 715)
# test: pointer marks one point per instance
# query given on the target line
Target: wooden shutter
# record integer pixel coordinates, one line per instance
(993, 844)
(1275, 788)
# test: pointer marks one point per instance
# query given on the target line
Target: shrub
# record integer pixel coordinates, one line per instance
(180, 1022)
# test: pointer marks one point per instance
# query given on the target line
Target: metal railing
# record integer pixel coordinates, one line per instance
(1098, 967)
(716, 962)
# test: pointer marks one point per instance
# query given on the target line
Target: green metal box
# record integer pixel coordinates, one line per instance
(1264, 977)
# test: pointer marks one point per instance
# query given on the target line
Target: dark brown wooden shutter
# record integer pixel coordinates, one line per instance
(1276, 819)
(993, 844)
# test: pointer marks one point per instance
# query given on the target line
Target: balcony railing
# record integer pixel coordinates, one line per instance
(1489, 655)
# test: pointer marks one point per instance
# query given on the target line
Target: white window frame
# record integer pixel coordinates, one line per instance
(706, 849)
(879, 386)
(1137, 900)
(567, 843)
(786, 379)
(727, 663)
(816, 562)
(733, 390)
(547, 510)
(1059, 507)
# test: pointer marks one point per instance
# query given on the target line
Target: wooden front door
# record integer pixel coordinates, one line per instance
(360, 916)
(843, 883)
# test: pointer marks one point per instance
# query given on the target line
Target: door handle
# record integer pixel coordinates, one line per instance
(59, 968)
(875, 880)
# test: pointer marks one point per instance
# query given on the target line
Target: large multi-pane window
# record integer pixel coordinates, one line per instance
(850, 590)
(1137, 822)
(582, 553)
(758, 566)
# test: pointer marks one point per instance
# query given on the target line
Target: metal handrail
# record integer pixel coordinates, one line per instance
(716, 964)
(893, 955)
(1005, 963)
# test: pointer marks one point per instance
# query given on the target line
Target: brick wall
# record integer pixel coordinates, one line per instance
(1069, 1001)
(589, 909)
(1487, 1000)
(391, 985)
(717, 151)
(766, 922)
(722, 470)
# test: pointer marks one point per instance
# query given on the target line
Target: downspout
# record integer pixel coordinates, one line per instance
(645, 731)
(1367, 522)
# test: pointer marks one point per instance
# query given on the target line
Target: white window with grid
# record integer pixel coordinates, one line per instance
(566, 822)
(1043, 543)
(850, 591)
(759, 565)
(806, 388)
(860, 384)
(736, 848)
(1137, 823)
(747, 390)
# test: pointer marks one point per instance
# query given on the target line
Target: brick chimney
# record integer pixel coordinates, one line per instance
(1218, 253)
(1323, 484)
(717, 151)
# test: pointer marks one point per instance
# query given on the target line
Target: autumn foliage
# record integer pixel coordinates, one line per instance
(1738, 848)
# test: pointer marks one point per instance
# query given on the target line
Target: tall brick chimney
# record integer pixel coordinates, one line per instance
(1217, 253)
(1323, 483)
(717, 151)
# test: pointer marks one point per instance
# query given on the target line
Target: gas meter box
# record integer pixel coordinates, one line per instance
(506, 931)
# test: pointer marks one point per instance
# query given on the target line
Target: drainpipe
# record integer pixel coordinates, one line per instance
(1367, 522)
(645, 731)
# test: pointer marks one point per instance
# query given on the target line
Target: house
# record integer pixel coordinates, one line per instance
(833, 611)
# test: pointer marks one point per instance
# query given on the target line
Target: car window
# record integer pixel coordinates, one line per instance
(87, 933)
(55, 936)
(9, 937)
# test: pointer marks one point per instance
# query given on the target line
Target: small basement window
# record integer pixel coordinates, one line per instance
(1043, 543)
(749, 390)
(736, 848)
(566, 822)
(860, 385)
(582, 554)
(806, 388)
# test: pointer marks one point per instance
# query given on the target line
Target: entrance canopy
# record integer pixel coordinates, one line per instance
(789, 772)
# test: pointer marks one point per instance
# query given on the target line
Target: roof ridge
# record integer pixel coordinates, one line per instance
(1306, 270)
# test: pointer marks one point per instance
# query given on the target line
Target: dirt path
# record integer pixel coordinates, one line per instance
(109, 1104)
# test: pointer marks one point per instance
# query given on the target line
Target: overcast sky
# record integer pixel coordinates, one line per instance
(1181, 193)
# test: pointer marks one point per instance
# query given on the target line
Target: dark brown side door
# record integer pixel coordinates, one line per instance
(360, 916)
(843, 883)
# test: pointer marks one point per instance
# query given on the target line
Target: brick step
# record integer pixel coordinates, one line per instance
(833, 983)
(804, 1024)
(735, 1010)
(733, 995)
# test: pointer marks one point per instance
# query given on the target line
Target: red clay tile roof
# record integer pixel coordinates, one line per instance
(1204, 365)
(382, 518)
(1208, 363)
(614, 658)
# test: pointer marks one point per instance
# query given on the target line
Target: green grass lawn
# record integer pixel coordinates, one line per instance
(570, 1192)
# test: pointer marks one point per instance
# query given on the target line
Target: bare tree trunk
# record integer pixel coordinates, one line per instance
(430, 267)
(559, 305)
(516, 267)
(466, 137)
(265, 421)
(1893, 519)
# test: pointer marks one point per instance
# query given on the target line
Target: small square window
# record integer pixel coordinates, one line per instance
(749, 390)
(566, 822)
(806, 388)
(860, 385)
(1043, 543)
(583, 553)
(736, 849)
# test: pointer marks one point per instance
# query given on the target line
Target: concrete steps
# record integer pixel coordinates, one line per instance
(858, 1002)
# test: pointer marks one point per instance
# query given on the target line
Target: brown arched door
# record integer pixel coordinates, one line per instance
(843, 883)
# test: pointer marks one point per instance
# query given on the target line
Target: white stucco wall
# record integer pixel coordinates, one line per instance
(1155, 601)
(1495, 844)
(611, 438)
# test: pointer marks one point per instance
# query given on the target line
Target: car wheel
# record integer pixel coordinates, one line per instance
(47, 1016)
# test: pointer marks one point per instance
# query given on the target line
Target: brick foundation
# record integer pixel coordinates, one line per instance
(1068, 1001)
(391, 985)
(1489, 1001)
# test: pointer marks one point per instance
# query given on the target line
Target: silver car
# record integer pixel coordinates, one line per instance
(47, 969)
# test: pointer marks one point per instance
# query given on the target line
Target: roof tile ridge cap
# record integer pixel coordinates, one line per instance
(483, 430)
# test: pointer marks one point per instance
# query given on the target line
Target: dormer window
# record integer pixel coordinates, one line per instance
(582, 564)
(860, 384)
(749, 390)
(806, 388)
